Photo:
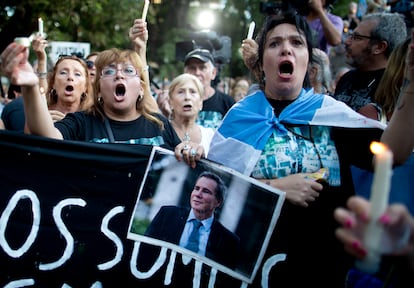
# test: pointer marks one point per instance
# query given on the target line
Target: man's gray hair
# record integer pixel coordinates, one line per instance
(390, 27)
(221, 186)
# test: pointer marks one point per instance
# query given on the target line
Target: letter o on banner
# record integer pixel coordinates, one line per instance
(21, 194)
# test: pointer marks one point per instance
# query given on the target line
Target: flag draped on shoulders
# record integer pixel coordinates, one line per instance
(247, 126)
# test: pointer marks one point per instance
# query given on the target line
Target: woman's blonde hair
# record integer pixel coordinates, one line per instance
(145, 105)
(182, 79)
(389, 87)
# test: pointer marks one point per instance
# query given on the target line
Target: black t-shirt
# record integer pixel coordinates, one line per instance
(214, 109)
(86, 127)
(13, 115)
(357, 88)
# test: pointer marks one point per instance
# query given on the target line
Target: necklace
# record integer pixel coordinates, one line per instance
(186, 137)
(186, 133)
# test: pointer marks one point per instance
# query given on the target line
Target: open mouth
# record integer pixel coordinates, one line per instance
(286, 68)
(69, 88)
(120, 90)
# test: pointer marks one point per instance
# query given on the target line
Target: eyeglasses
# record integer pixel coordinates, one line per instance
(126, 70)
(358, 37)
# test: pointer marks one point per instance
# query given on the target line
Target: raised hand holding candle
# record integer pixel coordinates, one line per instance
(145, 11)
(380, 191)
(40, 25)
(251, 30)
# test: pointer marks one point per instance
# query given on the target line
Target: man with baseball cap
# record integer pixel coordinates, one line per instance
(203, 55)
(200, 62)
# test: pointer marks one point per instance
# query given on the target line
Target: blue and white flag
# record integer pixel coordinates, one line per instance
(247, 126)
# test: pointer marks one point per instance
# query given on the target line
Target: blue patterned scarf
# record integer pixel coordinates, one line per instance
(247, 126)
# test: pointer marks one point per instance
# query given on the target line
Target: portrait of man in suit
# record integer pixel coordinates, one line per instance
(195, 227)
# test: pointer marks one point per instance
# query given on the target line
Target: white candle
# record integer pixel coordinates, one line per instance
(25, 41)
(251, 30)
(40, 24)
(380, 191)
(145, 11)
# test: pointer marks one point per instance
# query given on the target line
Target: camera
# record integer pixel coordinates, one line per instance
(219, 46)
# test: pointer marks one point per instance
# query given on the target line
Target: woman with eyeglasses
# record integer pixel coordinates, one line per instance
(302, 142)
(123, 110)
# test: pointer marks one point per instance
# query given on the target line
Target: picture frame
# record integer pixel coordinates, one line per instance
(250, 210)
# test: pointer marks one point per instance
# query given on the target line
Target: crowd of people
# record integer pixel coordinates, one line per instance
(301, 113)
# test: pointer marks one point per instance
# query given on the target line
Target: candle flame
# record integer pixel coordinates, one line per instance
(377, 147)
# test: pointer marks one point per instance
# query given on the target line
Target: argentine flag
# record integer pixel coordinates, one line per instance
(247, 126)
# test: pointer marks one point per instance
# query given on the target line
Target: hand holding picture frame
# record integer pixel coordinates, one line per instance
(246, 210)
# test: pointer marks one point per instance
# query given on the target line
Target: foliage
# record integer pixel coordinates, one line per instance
(105, 24)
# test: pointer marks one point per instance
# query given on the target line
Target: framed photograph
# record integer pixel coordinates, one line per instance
(237, 214)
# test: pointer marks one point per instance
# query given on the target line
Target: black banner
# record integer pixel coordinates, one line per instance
(65, 208)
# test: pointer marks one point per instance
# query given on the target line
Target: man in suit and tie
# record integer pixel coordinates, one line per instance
(196, 228)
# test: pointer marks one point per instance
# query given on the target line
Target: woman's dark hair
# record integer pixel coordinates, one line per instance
(290, 17)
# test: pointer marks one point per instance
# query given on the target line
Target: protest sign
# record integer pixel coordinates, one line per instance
(60, 48)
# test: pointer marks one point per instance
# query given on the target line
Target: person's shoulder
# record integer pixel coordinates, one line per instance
(18, 102)
(221, 94)
(206, 130)
(161, 117)
(349, 75)
(335, 17)
(224, 96)
(81, 115)
(168, 209)
(223, 230)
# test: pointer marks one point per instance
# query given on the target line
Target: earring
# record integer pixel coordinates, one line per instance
(171, 115)
(100, 100)
(83, 96)
(263, 78)
(140, 97)
(53, 94)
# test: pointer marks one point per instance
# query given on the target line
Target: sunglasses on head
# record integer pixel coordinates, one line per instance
(90, 64)
(79, 55)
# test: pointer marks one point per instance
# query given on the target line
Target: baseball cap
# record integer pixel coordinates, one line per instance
(200, 54)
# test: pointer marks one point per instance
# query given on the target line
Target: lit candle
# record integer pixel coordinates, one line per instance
(251, 30)
(380, 191)
(40, 24)
(145, 11)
